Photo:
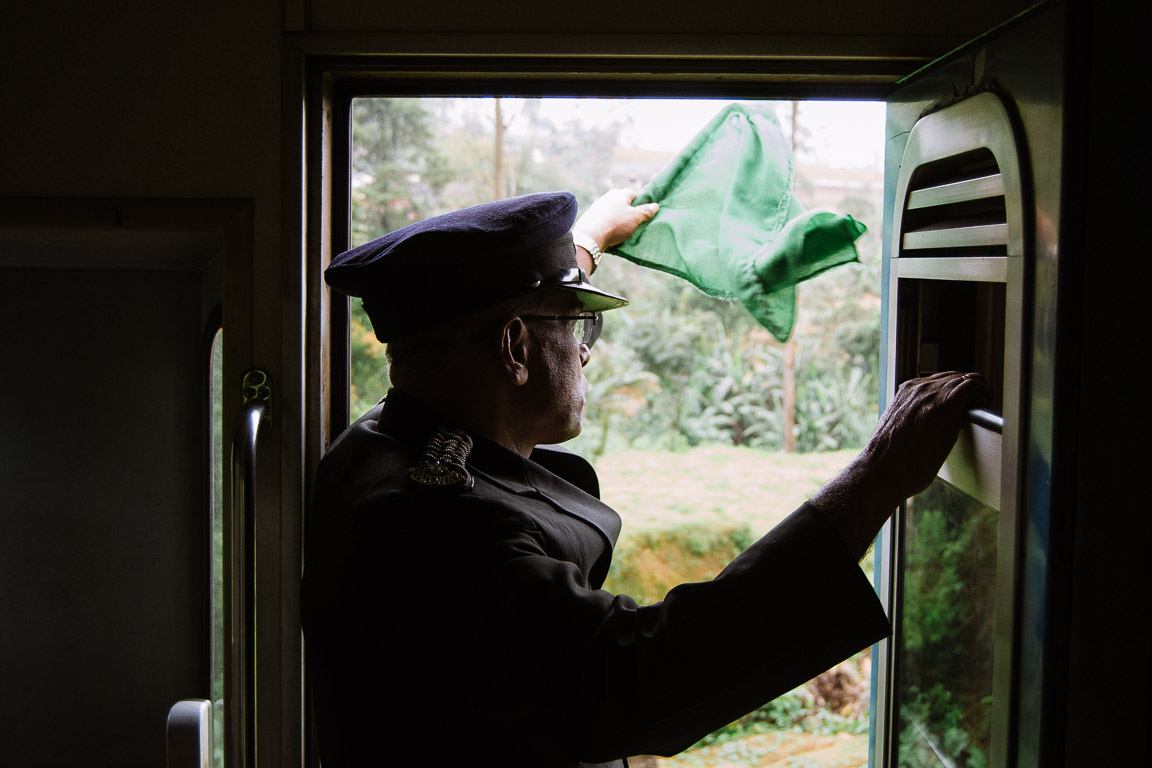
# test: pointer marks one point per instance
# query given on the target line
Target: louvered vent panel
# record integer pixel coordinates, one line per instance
(955, 207)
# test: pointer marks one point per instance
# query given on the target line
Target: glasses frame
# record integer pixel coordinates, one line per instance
(592, 327)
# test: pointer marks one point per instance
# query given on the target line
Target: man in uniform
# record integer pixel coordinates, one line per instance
(452, 603)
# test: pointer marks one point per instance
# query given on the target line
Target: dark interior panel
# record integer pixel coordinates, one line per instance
(103, 565)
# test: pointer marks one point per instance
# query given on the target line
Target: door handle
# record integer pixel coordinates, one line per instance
(257, 392)
(189, 734)
(982, 417)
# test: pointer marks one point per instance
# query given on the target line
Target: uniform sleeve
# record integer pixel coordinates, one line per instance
(609, 678)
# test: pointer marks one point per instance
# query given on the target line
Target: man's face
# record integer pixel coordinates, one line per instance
(560, 386)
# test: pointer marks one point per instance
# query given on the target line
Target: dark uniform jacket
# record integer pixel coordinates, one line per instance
(471, 630)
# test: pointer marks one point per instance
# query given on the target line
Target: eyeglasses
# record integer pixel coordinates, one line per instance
(586, 328)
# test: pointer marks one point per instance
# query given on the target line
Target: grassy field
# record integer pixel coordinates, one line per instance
(685, 516)
(720, 486)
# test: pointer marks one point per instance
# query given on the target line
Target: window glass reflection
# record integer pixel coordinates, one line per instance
(945, 643)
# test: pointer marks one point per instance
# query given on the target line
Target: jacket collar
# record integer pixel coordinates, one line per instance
(413, 423)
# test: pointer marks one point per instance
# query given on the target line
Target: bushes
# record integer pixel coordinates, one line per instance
(806, 709)
(678, 369)
(794, 711)
(648, 563)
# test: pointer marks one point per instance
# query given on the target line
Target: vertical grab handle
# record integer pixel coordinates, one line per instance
(189, 734)
(242, 687)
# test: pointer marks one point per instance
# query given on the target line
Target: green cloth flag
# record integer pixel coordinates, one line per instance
(729, 223)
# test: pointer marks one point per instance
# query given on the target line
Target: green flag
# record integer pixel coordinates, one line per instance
(729, 223)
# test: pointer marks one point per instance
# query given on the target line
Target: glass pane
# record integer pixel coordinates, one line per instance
(944, 653)
(216, 495)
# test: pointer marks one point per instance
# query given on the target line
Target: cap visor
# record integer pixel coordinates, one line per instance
(592, 299)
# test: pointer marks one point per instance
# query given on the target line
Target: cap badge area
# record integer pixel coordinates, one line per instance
(442, 465)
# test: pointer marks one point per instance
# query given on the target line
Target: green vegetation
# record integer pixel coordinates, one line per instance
(674, 370)
(717, 486)
(686, 515)
(947, 630)
(773, 749)
(369, 366)
(648, 563)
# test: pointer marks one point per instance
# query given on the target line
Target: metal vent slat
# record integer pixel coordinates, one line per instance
(958, 192)
(979, 269)
(952, 236)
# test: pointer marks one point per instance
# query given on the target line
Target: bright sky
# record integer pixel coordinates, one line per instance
(842, 133)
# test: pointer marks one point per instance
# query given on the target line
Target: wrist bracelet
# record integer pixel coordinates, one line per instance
(589, 245)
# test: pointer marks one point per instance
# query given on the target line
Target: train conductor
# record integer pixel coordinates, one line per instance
(453, 610)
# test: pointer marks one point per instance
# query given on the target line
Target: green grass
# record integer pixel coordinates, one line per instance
(713, 486)
(686, 515)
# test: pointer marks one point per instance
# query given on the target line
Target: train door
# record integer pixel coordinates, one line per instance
(972, 265)
(112, 443)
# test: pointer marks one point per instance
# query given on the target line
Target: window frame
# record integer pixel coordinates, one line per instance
(985, 465)
(339, 82)
(332, 80)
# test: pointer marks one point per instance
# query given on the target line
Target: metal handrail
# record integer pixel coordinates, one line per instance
(982, 417)
(242, 718)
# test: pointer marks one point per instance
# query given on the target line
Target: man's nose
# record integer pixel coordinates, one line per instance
(585, 355)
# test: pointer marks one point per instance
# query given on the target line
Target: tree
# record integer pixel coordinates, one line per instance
(397, 167)
(676, 368)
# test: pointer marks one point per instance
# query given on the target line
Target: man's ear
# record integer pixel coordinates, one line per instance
(514, 349)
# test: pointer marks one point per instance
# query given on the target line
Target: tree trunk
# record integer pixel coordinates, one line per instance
(789, 372)
(790, 396)
(498, 156)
